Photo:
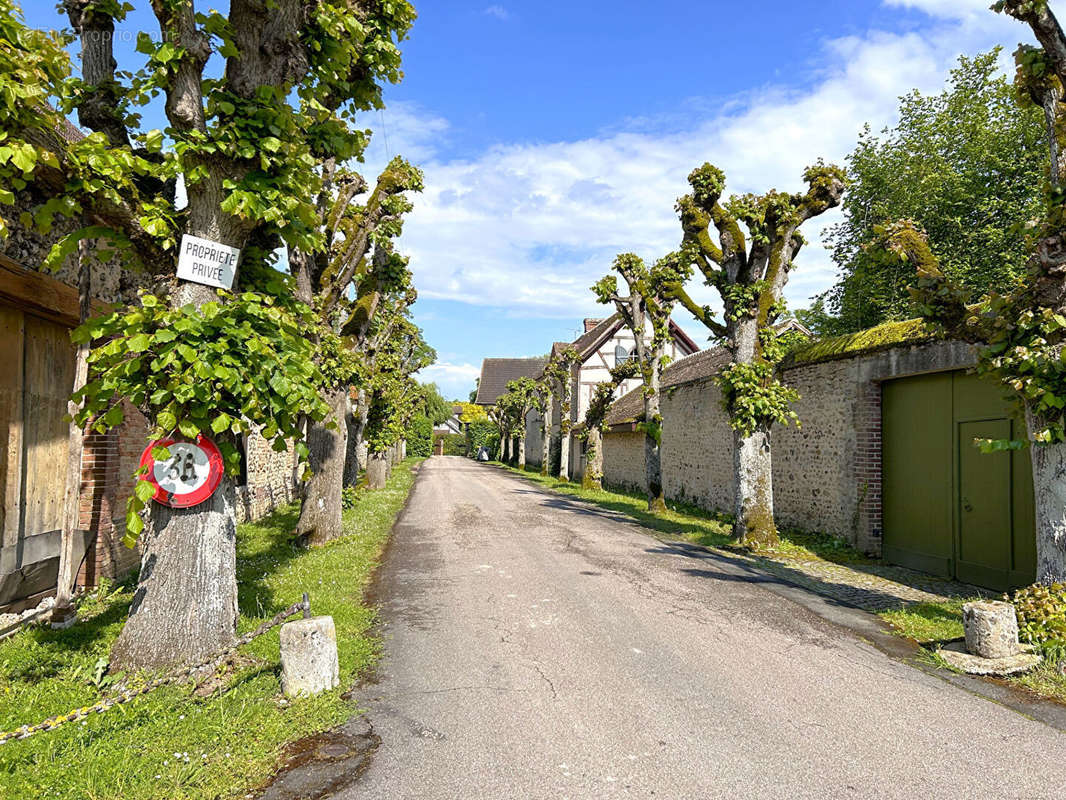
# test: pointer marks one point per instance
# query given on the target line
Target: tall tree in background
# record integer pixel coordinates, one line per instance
(750, 273)
(437, 409)
(596, 420)
(1022, 333)
(559, 375)
(393, 394)
(966, 165)
(243, 136)
(546, 404)
(647, 306)
(521, 398)
(344, 281)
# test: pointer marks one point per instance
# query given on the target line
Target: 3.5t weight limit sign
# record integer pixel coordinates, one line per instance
(189, 476)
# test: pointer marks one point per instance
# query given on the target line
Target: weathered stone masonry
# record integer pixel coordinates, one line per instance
(827, 472)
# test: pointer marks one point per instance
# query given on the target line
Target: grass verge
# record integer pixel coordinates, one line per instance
(932, 623)
(171, 743)
(697, 525)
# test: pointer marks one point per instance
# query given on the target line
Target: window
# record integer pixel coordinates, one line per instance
(621, 355)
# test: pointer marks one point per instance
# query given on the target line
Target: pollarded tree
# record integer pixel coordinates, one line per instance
(344, 282)
(648, 306)
(750, 274)
(546, 404)
(243, 136)
(559, 375)
(393, 394)
(596, 421)
(521, 398)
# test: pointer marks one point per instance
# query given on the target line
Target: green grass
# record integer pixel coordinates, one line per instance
(931, 623)
(697, 525)
(688, 522)
(928, 622)
(170, 743)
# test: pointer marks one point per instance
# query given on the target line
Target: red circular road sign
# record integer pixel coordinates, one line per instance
(189, 476)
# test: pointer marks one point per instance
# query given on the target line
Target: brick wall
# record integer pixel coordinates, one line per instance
(826, 473)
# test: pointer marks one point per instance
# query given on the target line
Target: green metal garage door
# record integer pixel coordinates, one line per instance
(949, 509)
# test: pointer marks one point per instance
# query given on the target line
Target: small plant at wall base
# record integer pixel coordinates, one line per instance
(750, 273)
(1041, 614)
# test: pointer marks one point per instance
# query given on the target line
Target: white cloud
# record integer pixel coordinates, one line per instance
(454, 381)
(951, 9)
(528, 227)
(497, 11)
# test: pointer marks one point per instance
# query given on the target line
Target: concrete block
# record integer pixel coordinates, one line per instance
(991, 629)
(309, 656)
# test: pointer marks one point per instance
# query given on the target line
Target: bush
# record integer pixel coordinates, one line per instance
(1042, 617)
(349, 497)
(454, 443)
(420, 437)
(482, 434)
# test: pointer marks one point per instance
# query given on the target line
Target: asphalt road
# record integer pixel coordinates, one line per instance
(538, 648)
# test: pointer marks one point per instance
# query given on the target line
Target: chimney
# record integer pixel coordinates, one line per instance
(591, 323)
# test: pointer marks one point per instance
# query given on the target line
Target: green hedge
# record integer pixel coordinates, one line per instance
(454, 443)
(482, 434)
(420, 437)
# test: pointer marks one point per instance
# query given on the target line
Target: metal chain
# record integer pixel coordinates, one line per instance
(125, 695)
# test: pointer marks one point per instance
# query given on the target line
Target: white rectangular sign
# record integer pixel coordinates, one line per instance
(207, 262)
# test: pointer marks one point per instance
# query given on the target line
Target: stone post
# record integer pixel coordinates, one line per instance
(991, 629)
(309, 656)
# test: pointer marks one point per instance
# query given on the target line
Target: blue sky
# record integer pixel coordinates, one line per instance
(556, 134)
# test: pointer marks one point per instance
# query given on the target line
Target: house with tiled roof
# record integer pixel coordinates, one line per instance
(497, 372)
(603, 344)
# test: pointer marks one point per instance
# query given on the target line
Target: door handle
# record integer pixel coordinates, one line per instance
(966, 505)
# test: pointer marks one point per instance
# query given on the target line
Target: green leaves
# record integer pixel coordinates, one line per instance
(754, 398)
(227, 367)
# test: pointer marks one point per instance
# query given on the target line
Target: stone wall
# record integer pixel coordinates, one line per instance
(623, 461)
(827, 472)
(270, 479)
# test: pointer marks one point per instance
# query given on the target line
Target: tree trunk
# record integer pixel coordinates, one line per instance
(1049, 489)
(355, 458)
(653, 438)
(752, 464)
(377, 471)
(320, 514)
(564, 450)
(185, 606)
(505, 450)
(63, 612)
(593, 477)
(754, 494)
(521, 451)
(546, 439)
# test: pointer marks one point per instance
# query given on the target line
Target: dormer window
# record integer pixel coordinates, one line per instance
(621, 355)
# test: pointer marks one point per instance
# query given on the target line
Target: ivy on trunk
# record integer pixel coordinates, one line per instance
(750, 273)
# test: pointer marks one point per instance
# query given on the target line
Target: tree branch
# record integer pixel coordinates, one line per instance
(98, 108)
